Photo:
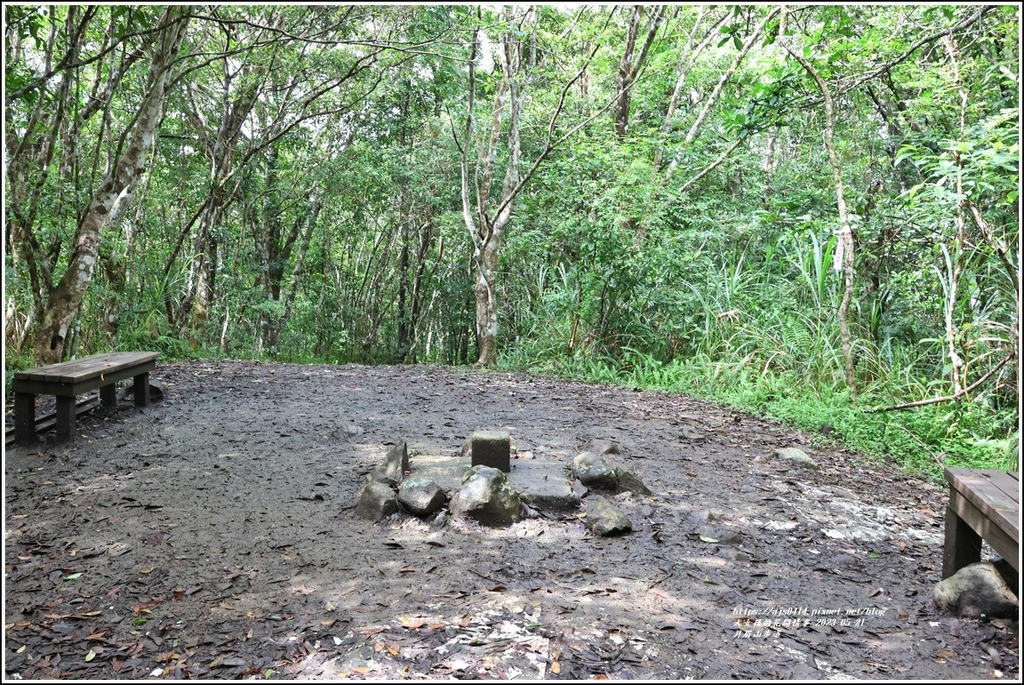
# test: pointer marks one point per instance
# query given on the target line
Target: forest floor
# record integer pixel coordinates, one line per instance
(212, 536)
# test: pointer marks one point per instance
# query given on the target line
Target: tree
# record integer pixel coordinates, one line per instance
(56, 304)
(486, 217)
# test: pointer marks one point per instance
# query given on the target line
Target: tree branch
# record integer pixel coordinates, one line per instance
(955, 396)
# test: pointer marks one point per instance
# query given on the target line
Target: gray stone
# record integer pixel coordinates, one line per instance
(604, 518)
(487, 498)
(467, 446)
(689, 433)
(594, 471)
(491, 448)
(421, 496)
(543, 485)
(376, 501)
(600, 446)
(975, 591)
(447, 472)
(630, 481)
(795, 456)
(393, 468)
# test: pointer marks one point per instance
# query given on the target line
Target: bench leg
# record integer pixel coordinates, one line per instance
(963, 545)
(108, 395)
(141, 390)
(65, 417)
(24, 417)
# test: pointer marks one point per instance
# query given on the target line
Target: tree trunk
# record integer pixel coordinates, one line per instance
(629, 68)
(485, 290)
(486, 222)
(844, 258)
(113, 196)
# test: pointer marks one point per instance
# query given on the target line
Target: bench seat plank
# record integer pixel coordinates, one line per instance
(68, 379)
(993, 493)
(984, 504)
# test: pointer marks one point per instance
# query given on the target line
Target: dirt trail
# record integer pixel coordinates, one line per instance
(212, 536)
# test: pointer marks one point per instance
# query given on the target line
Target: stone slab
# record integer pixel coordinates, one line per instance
(543, 484)
(445, 471)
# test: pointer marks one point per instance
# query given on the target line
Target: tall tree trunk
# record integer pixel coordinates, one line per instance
(485, 222)
(487, 231)
(629, 68)
(844, 257)
(114, 194)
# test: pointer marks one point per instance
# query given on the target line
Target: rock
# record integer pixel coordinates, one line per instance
(795, 456)
(689, 433)
(491, 448)
(421, 496)
(600, 446)
(579, 489)
(393, 468)
(543, 485)
(377, 501)
(975, 591)
(630, 481)
(604, 518)
(487, 498)
(467, 446)
(594, 471)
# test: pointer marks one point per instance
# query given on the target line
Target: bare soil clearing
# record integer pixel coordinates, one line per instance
(213, 536)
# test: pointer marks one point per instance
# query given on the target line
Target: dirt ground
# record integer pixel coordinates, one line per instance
(212, 536)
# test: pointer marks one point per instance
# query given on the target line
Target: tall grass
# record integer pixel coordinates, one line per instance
(763, 337)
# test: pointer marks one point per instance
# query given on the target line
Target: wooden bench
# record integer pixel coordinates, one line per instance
(983, 504)
(68, 379)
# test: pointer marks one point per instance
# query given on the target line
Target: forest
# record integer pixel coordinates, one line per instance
(810, 212)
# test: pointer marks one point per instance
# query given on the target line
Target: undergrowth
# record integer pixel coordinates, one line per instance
(920, 440)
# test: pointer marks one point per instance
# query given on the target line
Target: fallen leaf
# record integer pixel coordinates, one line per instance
(90, 656)
(226, 606)
(413, 623)
(393, 649)
(556, 667)
(72, 576)
(705, 538)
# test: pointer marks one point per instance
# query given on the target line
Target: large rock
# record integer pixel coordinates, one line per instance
(630, 481)
(975, 591)
(604, 518)
(594, 471)
(795, 456)
(376, 501)
(487, 498)
(393, 468)
(421, 496)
